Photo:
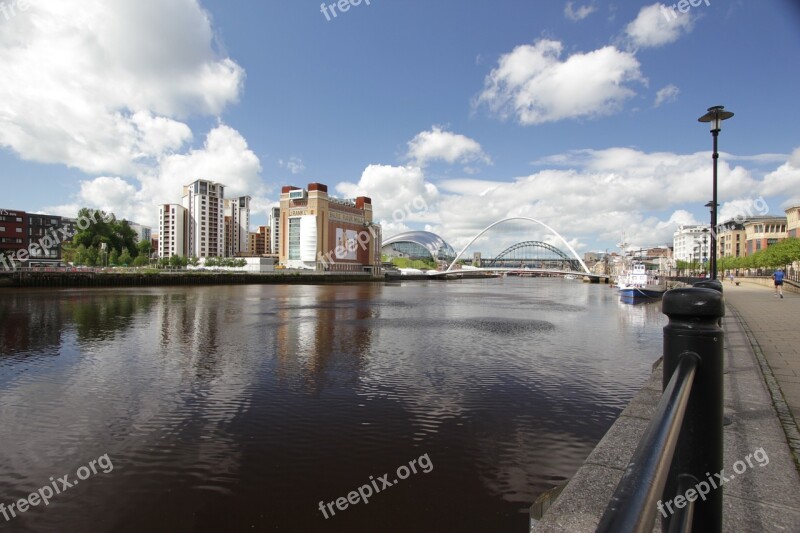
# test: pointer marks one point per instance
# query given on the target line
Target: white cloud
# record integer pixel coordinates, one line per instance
(400, 195)
(100, 92)
(295, 165)
(655, 26)
(580, 13)
(224, 157)
(666, 94)
(786, 178)
(535, 86)
(437, 144)
(594, 198)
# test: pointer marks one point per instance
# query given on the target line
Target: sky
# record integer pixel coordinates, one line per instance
(450, 114)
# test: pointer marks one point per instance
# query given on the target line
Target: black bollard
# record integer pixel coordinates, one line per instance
(694, 315)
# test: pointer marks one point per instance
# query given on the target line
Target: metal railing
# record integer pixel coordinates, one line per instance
(683, 442)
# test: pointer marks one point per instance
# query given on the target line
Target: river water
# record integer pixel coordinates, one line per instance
(241, 408)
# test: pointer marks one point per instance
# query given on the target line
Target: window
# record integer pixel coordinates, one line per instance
(19, 230)
(2, 228)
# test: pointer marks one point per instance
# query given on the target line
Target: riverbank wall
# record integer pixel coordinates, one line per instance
(160, 279)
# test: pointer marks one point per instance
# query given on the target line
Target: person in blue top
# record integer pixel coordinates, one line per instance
(778, 277)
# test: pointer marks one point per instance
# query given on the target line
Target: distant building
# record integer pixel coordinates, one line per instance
(204, 202)
(143, 233)
(320, 231)
(257, 242)
(237, 221)
(419, 245)
(274, 230)
(793, 222)
(13, 231)
(172, 222)
(762, 232)
(40, 226)
(687, 242)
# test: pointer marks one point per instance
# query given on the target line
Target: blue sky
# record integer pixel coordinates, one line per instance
(580, 114)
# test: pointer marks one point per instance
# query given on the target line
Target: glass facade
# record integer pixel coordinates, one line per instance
(294, 238)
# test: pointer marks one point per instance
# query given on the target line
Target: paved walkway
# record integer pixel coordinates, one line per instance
(773, 325)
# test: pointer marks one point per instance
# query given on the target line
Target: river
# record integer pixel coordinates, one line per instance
(259, 408)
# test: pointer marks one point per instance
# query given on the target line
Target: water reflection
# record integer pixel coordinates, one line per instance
(239, 408)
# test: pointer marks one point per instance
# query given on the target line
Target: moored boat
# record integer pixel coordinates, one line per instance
(637, 284)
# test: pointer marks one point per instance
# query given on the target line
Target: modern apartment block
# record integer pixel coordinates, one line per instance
(731, 239)
(172, 222)
(319, 231)
(38, 227)
(237, 226)
(687, 242)
(13, 231)
(274, 230)
(205, 225)
(257, 244)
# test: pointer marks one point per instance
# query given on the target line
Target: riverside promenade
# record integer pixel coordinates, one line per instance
(762, 393)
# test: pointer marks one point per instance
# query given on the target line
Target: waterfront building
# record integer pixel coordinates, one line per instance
(205, 223)
(419, 245)
(40, 226)
(237, 226)
(13, 231)
(319, 231)
(762, 232)
(257, 242)
(172, 222)
(793, 222)
(731, 239)
(274, 230)
(687, 242)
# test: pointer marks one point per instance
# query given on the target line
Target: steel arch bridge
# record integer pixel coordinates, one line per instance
(534, 254)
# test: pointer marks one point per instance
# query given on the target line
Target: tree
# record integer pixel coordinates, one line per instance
(194, 261)
(141, 260)
(113, 258)
(144, 248)
(125, 257)
(177, 261)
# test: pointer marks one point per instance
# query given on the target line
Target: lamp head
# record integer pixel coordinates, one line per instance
(715, 116)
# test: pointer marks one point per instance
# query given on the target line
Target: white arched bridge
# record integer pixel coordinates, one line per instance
(527, 256)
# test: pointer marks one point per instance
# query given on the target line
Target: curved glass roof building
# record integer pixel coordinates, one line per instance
(418, 245)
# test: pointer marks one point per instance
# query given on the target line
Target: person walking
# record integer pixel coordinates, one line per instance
(778, 277)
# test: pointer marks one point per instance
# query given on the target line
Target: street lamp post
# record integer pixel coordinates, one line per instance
(714, 117)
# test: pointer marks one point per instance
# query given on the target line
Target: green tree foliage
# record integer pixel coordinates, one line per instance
(125, 258)
(144, 248)
(101, 228)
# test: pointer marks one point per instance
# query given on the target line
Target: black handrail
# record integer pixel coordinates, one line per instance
(633, 506)
(683, 442)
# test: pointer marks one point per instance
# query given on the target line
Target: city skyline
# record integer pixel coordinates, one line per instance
(578, 114)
